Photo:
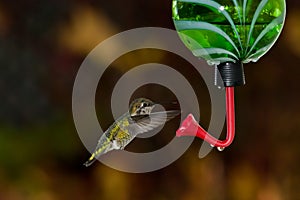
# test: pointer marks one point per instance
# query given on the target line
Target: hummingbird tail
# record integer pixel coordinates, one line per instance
(90, 162)
(103, 146)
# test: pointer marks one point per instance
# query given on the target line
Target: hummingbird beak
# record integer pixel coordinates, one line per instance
(167, 105)
(173, 103)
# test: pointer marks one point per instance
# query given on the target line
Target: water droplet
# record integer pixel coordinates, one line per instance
(221, 148)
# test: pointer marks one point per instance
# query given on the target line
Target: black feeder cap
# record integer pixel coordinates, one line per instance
(232, 74)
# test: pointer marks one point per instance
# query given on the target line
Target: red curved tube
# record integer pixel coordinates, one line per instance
(190, 127)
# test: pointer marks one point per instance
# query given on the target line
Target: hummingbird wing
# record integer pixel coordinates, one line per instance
(149, 122)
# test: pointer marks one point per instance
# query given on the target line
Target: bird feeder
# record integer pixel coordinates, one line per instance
(227, 34)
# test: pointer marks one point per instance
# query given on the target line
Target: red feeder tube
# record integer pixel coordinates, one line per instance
(190, 127)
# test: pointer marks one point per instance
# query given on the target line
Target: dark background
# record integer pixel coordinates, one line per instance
(42, 44)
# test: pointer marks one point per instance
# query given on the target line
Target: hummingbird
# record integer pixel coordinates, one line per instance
(139, 119)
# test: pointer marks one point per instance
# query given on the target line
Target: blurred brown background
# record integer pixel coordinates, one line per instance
(42, 44)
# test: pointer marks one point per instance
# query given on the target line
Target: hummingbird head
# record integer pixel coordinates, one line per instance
(141, 106)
